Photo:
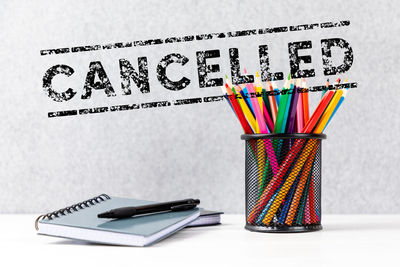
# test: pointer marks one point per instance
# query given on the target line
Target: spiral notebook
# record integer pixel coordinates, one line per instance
(80, 222)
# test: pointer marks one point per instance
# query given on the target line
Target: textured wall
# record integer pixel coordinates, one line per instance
(192, 150)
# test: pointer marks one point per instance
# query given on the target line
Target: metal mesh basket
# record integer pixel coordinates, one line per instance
(283, 182)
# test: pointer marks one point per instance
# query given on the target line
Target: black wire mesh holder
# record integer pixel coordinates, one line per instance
(283, 182)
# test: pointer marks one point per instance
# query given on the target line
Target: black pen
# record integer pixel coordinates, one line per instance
(125, 212)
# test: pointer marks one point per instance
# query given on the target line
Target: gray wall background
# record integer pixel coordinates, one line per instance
(192, 150)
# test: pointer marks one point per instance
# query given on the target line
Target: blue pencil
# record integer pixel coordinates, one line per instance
(266, 208)
(278, 95)
(244, 93)
(227, 98)
(288, 201)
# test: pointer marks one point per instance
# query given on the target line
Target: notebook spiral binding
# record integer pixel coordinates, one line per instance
(72, 208)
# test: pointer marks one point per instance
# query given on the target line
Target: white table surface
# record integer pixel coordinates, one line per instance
(346, 240)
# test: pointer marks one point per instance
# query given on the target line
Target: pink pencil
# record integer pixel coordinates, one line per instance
(268, 119)
(257, 109)
(300, 113)
(263, 128)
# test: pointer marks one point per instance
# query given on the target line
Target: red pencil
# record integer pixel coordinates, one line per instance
(313, 212)
(312, 122)
(268, 120)
(239, 113)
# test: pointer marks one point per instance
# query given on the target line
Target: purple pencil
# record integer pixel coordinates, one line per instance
(293, 108)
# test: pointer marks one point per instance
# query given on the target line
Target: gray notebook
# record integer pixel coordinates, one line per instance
(80, 221)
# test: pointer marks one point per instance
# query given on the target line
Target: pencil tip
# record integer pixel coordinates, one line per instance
(245, 71)
(226, 76)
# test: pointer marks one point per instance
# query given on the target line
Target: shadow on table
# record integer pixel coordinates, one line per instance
(177, 237)
(73, 242)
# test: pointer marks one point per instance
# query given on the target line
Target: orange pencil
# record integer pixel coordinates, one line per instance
(300, 187)
(306, 107)
(315, 117)
(300, 110)
(328, 112)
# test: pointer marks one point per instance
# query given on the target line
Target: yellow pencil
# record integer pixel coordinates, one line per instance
(328, 112)
(261, 156)
(247, 113)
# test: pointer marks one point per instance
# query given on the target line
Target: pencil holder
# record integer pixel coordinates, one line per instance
(283, 182)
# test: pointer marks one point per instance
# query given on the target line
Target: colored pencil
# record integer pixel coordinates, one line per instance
(281, 109)
(311, 199)
(256, 107)
(263, 127)
(329, 110)
(286, 204)
(299, 190)
(245, 99)
(266, 102)
(337, 107)
(288, 196)
(318, 112)
(300, 109)
(277, 94)
(287, 109)
(266, 114)
(293, 108)
(307, 213)
(306, 112)
(235, 104)
(268, 120)
(272, 101)
(243, 105)
(258, 90)
(266, 208)
(227, 99)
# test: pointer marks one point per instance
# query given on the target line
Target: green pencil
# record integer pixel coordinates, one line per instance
(281, 109)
